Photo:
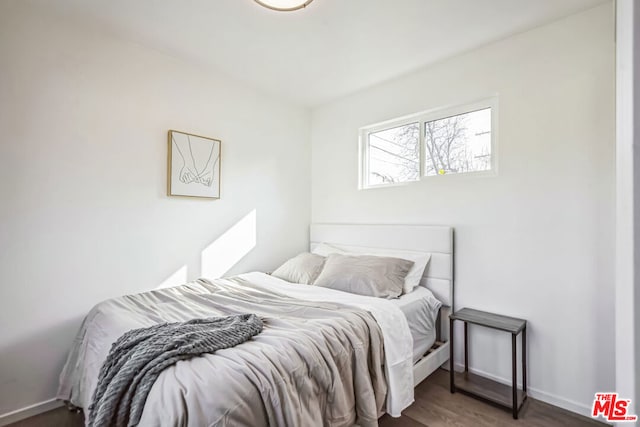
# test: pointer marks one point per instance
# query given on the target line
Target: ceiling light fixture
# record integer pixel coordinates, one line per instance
(284, 5)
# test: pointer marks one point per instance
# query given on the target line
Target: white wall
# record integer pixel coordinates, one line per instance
(84, 214)
(537, 240)
(628, 202)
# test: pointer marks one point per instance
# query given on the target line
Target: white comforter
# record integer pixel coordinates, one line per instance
(398, 342)
(109, 322)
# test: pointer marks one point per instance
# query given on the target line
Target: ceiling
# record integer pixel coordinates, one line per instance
(327, 50)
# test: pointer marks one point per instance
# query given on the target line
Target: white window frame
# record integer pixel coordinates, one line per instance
(422, 118)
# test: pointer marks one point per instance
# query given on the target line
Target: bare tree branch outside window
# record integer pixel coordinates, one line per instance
(458, 144)
(394, 155)
(455, 144)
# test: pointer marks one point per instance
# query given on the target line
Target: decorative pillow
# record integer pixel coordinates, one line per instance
(420, 259)
(303, 268)
(364, 275)
(325, 249)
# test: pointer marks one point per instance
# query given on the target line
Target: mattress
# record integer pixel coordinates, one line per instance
(420, 308)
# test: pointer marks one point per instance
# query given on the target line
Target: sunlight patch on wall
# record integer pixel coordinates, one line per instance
(225, 252)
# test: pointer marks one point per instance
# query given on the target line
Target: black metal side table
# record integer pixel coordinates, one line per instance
(484, 388)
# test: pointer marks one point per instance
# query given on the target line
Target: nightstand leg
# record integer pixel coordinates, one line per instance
(451, 371)
(466, 347)
(514, 374)
(524, 359)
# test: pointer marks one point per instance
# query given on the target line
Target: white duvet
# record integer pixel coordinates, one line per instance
(398, 342)
(112, 318)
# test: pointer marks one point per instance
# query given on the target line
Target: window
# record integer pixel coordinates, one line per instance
(435, 143)
(394, 154)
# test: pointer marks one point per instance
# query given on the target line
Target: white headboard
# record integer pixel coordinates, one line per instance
(438, 240)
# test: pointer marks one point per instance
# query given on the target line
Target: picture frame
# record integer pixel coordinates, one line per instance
(193, 165)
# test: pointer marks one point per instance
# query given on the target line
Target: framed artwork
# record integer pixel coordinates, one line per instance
(194, 165)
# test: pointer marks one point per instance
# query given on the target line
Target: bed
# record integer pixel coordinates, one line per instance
(324, 355)
(438, 277)
(421, 315)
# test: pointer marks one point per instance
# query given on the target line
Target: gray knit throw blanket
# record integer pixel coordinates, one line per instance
(138, 357)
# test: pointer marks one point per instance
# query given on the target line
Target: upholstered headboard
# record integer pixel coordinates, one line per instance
(437, 240)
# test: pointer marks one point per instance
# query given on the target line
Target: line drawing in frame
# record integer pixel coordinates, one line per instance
(194, 165)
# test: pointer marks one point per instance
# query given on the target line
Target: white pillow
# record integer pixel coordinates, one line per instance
(303, 268)
(411, 281)
(325, 249)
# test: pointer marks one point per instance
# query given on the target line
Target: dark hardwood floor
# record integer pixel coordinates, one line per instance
(435, 406)
(60, 417)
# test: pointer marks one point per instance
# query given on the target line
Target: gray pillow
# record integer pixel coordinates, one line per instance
(365, 275)
(303, 268)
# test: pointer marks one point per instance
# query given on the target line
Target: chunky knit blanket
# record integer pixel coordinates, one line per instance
(138, 357)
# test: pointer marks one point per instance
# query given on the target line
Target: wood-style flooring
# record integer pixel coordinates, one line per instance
(434, 406)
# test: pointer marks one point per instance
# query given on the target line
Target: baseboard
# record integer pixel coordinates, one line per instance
(29, 411)
(543, 396)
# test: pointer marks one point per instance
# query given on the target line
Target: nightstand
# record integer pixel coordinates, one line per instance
(484, 388)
